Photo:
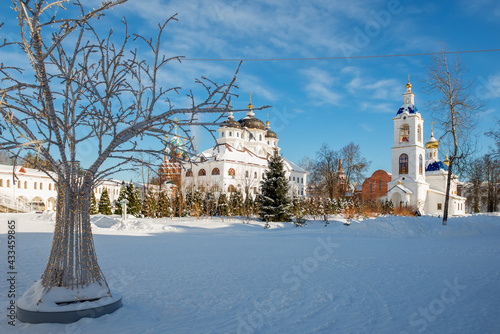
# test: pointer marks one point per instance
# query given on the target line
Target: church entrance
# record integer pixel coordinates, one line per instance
(397, 200)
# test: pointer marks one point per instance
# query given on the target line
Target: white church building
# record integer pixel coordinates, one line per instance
(239, 159)
(419, 178)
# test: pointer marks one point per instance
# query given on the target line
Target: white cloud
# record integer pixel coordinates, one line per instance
(319, 86)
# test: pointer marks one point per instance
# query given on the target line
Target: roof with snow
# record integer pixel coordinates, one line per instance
(436, 165)
(409, 108)
(294, 166)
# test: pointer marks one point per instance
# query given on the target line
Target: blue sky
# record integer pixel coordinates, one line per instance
(325, 101)
(331, 101)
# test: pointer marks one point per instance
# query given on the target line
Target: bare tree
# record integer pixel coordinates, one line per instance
(99, 91)
(454, 107)
(325, 171)
(475, 179)
(353, 163)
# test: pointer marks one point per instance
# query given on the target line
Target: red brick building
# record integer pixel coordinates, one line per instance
(376, 185)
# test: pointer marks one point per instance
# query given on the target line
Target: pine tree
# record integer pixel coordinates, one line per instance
(163, 208)
(275, 203)
(235, 203)
(121, 196)
(105, 203)
(223, 205)
(134, 200)
(149, 206)
(93, 205)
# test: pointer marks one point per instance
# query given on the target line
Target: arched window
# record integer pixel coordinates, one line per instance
(34, 185)
(8, 183)
(255, 175)
(237, 134)
(404, 133)
(419, 133)
(230, 134)
(19, 184)
(25, 184)
(189, 173)
(246, 174)
(260, 137)
(262, 175)
(403, 164)
(420, 164)
(50, 186)
(216, 171)
(202, 172)
(1, 183)
(215, 188)
(41, 186)
(223, 134)
(231, 172)
(231, 188)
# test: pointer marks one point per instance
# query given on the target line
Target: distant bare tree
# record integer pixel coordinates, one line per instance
(102, 91)
(455, 109)
(324, 173)
(353, 163)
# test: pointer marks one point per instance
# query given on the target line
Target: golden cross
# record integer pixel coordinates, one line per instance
(250, 97)
(408, 78)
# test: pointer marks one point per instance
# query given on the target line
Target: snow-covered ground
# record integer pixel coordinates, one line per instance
(384, 275)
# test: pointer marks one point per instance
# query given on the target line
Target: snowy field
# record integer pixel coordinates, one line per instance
(384, 275)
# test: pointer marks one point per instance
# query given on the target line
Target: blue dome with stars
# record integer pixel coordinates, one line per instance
(436, 166)
(410, 108)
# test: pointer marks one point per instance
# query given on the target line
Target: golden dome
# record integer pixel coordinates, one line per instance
(432, 143)
(447, 161)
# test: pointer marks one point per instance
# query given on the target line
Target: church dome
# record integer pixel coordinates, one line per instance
(251, 122)
(230, 123)
(435, 166)
(432, 142)
(410, 108)
(271, 134)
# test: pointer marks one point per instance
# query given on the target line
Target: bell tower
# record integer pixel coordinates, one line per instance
(408, 152)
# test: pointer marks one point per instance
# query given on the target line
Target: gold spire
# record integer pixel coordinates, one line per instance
(432, 129)
(446, 160)
(267, 122)
(250, 106)
(408, 85)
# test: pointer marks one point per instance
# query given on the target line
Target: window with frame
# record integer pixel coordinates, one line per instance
(202, 172)
(231, 172)
(231, 188)
(419, 133)
(216, 171)
(189, 173)
(440, 206)
(403, 163)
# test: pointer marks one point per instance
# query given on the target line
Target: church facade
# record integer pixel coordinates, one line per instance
(236, 163)
(418, 177)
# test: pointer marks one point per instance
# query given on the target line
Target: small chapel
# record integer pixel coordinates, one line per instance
(418, 177)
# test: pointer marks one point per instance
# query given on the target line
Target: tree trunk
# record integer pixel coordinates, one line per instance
(73, 261)
(447, 197)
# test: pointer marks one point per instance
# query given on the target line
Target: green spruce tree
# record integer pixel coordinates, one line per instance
(163, 208)
(105, 203)
(121, 196)
(150, 203)
(275, 202)
(235, 203)
(93, 205)
(223, 205)
(134, 206)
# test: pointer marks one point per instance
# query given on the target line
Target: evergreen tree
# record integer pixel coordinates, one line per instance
(93, 204)
(275, 203)
(121, 196)
(149, 206)
(163, 208)
(134, 200)
(105, 203)
(223, 205)
(235, 203)
(209, 204)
